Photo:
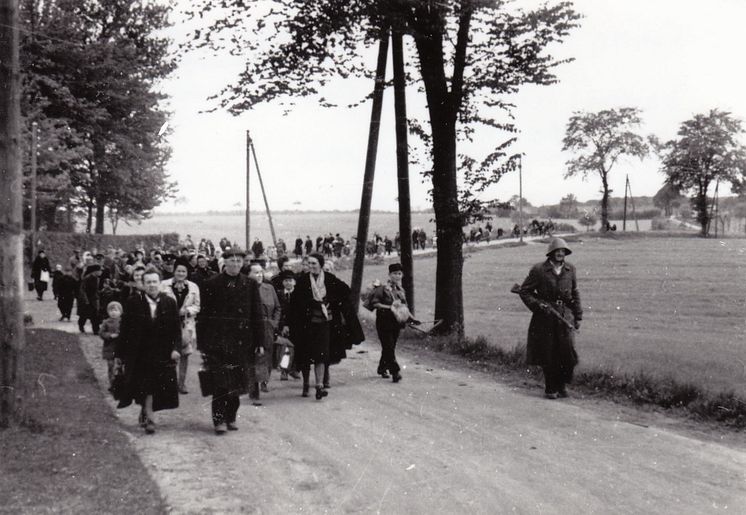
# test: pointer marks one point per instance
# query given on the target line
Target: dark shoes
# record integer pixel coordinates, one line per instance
(551, 395)
(320, 393)
(149, 427)
(562, 394)
(231, 426)
(396, 377)
(183, 390)
(384, 375)
(326, 385)
(283, 376)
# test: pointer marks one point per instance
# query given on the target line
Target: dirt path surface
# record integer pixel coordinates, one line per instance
(445, 440)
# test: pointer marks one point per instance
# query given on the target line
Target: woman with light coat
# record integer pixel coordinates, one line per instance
(186, 295)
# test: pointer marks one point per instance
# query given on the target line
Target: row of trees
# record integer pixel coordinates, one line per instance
(90, 71)
(706, 152)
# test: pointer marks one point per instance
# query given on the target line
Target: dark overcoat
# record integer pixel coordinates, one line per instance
(40, 264)
(548, 338)
(89, 299)
(230, 328)
(145, 346)
(345, 329)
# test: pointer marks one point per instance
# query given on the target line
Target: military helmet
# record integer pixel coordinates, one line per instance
(558, 243)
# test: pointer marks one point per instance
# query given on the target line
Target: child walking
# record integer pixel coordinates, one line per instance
(110, 334)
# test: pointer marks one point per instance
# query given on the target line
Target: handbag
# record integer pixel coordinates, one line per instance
(44, 276)
(31, 286)
(401, 312)
(206, 383)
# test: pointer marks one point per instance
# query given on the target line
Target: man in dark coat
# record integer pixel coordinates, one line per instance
(89, 301)
(551, 292)
(298, 250)
(148, 346)
(66, 286)
(229, 334)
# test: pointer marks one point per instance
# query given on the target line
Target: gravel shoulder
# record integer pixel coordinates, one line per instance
(447, 439)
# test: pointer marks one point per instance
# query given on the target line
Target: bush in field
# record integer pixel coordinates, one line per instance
(563, 227)
(588, 220)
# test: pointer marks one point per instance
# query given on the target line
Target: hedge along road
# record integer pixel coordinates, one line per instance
(446, 439)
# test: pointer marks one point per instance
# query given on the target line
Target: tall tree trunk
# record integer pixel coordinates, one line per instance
(89, 218)
(12, 336)
(604, 201)
(449, 302)
(701, 207)
(100, 215)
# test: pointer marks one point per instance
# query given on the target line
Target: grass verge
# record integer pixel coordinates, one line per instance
(69, 454)
(725, 408)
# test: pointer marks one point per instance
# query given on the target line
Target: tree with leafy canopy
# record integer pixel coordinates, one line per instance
(471, 55)
(667, 198)
(568, 206)
(90, 73)
(708, 150)
(600, 139)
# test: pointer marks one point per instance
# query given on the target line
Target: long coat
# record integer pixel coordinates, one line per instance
(345, 330)
(548, 338)
(89, 299)
(40, 264)
(145, 346)
(229, 329)
(271, 312)
(191, 307)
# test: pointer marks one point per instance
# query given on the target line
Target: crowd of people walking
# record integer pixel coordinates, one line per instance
(152, 311)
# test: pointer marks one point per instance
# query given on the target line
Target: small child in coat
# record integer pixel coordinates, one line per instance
(109, 333)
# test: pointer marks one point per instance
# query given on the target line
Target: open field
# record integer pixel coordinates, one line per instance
(670, 307)
(288, 225)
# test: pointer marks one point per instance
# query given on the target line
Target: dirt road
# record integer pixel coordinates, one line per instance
(445, 440)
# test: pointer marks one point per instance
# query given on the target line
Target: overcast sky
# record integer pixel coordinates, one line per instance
(671, 58)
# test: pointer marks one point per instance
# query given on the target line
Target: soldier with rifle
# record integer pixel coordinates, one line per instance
(551, 292)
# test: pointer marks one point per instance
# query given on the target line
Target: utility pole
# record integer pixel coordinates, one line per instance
(370, 169)
(12, 336)
(402, 167)
(624, 216)
(248, 181)
(34, 145)
(520, 195)
(264, 195)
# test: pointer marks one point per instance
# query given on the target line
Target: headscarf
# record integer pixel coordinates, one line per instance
(318, 288)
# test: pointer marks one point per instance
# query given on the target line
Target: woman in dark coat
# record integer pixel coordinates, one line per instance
(40, 264)
(551, 292)
(323, 323)
(148, 346)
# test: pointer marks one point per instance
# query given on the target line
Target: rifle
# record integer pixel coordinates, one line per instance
(548, 308)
